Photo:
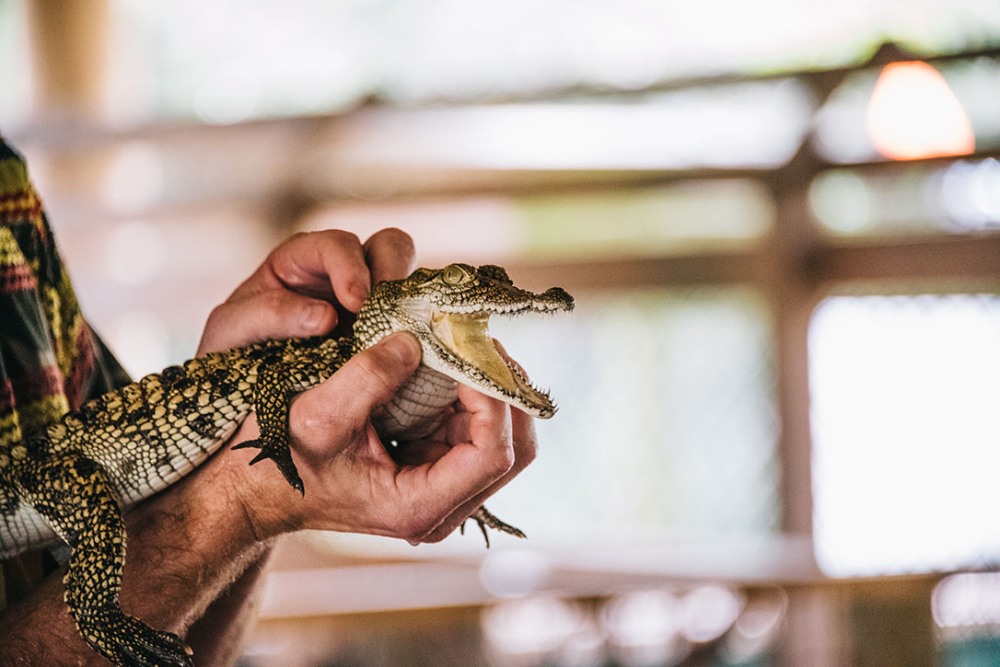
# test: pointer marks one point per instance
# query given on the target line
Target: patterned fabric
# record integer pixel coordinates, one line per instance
(50, 360)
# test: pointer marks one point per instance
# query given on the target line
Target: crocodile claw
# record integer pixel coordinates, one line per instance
(486, 519)
(282, 457)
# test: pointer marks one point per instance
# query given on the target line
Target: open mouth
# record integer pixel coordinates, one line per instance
(467, 336)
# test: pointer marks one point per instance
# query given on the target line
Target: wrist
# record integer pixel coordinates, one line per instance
(255, 496)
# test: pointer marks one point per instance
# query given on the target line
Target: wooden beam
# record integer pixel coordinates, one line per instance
(971, 257)
(690, 270)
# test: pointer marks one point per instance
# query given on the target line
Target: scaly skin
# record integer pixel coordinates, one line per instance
(72, 483)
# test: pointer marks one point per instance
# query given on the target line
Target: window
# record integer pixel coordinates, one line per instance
(904, 391)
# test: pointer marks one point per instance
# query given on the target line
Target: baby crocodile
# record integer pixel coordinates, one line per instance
(72, 482)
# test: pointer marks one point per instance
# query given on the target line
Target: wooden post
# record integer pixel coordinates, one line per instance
(69, 53)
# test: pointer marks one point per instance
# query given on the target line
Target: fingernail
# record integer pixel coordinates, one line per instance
(312, 318)
(405, 347)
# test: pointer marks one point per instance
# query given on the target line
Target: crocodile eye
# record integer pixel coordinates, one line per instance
(453, 274)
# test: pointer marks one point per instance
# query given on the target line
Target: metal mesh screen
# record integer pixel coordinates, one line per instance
(666, 418)
(906, 432)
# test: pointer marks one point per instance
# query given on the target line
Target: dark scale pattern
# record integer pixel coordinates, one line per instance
(73, 483)
(127, 445)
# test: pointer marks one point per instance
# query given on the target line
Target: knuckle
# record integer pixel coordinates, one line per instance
(275, 310)
(274, 302)
(217, 316)
(340, 237)
(368, 363)
(290, 242)
(501, 462)
(329, 239)
(390, 254)
(371, 375)
(394, 238)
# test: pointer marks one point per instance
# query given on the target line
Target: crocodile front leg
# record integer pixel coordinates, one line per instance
(271, 400)
(76, 497)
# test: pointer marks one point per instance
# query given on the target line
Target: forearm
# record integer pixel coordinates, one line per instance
(217, 637)
(185, 547)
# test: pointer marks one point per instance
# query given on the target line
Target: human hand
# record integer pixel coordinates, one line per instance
(436, 445)
(306, 285)
(352, 483)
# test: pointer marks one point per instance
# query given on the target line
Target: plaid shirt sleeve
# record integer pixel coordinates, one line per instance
(50, 360)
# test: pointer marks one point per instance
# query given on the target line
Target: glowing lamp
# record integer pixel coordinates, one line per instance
(913, 114)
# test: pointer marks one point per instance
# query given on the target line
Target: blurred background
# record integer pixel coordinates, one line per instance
(779, 436)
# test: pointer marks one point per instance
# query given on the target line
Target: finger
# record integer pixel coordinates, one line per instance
(327, 264)
(468, 469)
(390, 254)
(272, 314)
(346, 400)
(525, 445)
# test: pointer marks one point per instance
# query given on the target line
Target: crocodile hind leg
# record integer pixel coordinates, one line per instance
(486, 519)
(75, 496)
(271, 407)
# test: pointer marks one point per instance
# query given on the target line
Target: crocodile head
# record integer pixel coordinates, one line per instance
(448, 310)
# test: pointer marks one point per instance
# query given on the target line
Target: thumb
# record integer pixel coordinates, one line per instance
(369, 379)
